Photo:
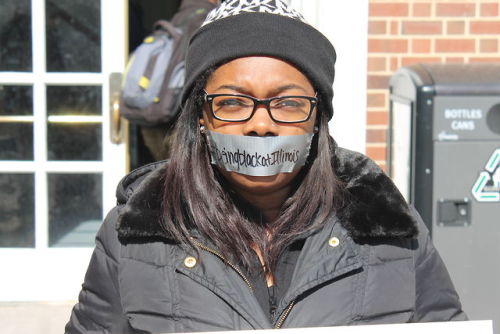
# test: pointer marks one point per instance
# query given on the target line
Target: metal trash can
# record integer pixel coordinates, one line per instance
(444, 155)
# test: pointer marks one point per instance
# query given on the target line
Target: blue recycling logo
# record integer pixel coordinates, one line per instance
(487, 186)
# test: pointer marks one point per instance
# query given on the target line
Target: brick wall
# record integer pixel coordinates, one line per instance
(401, 33)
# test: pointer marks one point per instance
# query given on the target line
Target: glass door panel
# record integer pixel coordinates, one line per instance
(17, 205)
(73, 34)
(75, 209)
(74, 123)
(16, 122)
(15, 36)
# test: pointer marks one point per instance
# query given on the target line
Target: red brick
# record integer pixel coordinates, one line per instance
(377, 64)
(484, 59)
(415, 60)
(485, 27)
(456, 9)
(376, 135)
(455, 27)
(455, 45)
(422, 9)
(488, 45)
(388, 9)
(422, 28)
(489, 9)
(395, 63)
(377, 118)
(395, 28)
(388, 45)
(376, 152)
(377, 27)
(376, 100)
(378, 81)
(421, 46)
(458, 60)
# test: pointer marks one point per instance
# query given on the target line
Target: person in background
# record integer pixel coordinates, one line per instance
(189, 17)
(258, 220)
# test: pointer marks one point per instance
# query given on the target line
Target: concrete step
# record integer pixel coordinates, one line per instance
(34, 317)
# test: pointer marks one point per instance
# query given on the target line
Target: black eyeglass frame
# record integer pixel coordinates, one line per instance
(265, 102)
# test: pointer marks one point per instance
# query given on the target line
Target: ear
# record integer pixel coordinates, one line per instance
(202, 121)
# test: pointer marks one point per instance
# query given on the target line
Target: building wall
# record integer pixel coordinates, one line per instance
(404, 32)
(345, 24)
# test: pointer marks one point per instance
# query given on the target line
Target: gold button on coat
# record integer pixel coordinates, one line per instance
(190, 261)
(334, 242)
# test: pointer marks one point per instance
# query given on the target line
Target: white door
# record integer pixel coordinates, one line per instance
(58, 166)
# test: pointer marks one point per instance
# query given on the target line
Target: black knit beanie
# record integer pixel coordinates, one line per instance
(242, 28)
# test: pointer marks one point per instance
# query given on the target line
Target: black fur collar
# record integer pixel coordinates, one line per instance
(374, 207)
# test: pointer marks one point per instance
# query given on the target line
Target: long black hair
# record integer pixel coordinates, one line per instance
(197, 197)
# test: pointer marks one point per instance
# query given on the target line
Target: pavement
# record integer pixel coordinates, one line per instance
(34, 317)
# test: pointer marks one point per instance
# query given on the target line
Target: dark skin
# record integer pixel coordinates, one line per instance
(261, 77)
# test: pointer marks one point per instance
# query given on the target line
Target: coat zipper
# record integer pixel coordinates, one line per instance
(214, 252)
(283, 316)
(285, 313)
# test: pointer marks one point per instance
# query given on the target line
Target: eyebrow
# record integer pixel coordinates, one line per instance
(275, 91)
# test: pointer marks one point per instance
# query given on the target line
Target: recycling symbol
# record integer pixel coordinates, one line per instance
(487, 186)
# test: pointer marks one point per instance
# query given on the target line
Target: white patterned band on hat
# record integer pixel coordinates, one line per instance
(235, 7)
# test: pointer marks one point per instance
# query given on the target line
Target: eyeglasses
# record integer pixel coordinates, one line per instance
(240, 108)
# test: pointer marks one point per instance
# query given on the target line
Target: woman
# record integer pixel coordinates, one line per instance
(258, 220)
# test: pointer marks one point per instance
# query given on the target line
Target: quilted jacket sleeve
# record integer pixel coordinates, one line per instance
(99, 308)
(436, 298)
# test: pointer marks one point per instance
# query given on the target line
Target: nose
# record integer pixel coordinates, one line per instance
(261, 124)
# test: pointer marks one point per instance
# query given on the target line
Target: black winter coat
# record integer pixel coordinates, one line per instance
(371, 263)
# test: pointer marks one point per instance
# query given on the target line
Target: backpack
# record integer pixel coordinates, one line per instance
(154, 77)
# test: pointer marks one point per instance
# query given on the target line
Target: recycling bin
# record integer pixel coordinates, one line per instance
(444, 155)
